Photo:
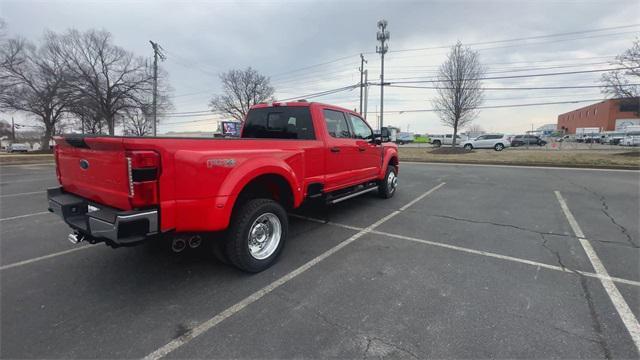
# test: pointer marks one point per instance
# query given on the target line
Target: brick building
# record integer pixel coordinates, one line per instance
(607, 115)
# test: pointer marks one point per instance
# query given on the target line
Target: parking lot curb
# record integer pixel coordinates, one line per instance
(25, 159)
(522, 164)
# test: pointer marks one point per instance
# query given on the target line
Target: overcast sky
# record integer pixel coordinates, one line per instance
(204, 38)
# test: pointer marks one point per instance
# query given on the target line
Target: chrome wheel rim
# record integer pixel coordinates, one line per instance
(264, 236)
(392, 182)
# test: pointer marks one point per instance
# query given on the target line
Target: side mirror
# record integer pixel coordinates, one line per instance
(385, 134)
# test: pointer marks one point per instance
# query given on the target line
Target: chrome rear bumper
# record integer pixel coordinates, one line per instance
(100, 222)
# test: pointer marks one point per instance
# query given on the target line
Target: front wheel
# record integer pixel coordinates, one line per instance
(257, 235)
(387, 187)
(468, 147)
(498, 147)
(436, 144)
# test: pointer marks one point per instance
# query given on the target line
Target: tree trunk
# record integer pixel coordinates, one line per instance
(44, 143)
(455, 133)
(111, 125)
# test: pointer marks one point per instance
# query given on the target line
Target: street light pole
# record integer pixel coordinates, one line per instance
(362, 70)
(383, 37)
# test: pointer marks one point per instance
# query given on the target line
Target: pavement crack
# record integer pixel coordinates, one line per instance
(472, 221)
(553, 252)
(366, 349)
(595, 319)
(554, 327)
(604, 208)
(370, 339)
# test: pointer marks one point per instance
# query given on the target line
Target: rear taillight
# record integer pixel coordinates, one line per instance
(143, 170)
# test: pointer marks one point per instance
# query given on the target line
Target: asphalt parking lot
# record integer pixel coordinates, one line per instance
(464, 262)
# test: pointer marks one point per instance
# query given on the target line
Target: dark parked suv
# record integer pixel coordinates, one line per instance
(520, 140)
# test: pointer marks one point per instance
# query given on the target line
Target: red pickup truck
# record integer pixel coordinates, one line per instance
(125, 190)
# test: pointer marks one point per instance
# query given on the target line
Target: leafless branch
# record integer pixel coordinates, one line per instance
(241, 89)
(459, 88)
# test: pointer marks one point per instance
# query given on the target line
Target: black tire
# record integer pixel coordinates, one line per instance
(385, 189)
(436, 144)
(498, 147)
(237, 246)
(468, 147)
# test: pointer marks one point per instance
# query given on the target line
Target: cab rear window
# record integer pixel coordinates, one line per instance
(279, 123)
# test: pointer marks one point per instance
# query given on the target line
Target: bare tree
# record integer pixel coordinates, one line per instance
(139, 120)
(459, 88)
(5, 129)
(100, 73)
(87, 112)
(475, 129)
(241, 89)
(619, 83)
(33, 80)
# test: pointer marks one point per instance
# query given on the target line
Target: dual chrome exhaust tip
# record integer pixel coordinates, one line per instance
(179, 244)
(75, 238)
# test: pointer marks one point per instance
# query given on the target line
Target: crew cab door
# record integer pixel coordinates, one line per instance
(369, 157)
(340, 150)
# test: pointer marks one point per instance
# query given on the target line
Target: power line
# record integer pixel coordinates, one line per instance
(306, 96)
(323, 93)
(510, 77)
(515, 88)
(500, 106)
(522, 38)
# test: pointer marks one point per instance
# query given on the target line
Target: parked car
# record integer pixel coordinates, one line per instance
(520, 140)
(404, 138)
(17, 147)
(439, 140)
(488, 141)
(612, 137)
(125, 190)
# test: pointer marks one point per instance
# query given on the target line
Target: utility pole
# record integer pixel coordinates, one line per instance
(366, 92)
(362, 62)
(157, 53)
(382, 36)
(13, 130)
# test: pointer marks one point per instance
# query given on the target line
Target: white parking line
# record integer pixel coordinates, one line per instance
(476, 252)
(23, 194)
(27, 165)
(24, 216)
(28, 180)
(516, 166)
(627, 316)
(205, 326)
(29, 261)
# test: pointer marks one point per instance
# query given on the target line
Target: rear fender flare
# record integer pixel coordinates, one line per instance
(250, 170)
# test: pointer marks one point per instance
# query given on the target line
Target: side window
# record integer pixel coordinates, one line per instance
(336, 124)
(448, 136)
(360, 129)
(482, 137)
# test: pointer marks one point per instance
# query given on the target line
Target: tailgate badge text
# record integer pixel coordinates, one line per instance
(220, 162)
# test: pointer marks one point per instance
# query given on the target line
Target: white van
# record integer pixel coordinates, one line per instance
(631, 138)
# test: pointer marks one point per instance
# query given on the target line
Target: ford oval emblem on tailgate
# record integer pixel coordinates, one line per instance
(84, 164)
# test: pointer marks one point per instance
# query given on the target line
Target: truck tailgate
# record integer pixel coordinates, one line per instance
(94, 168)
